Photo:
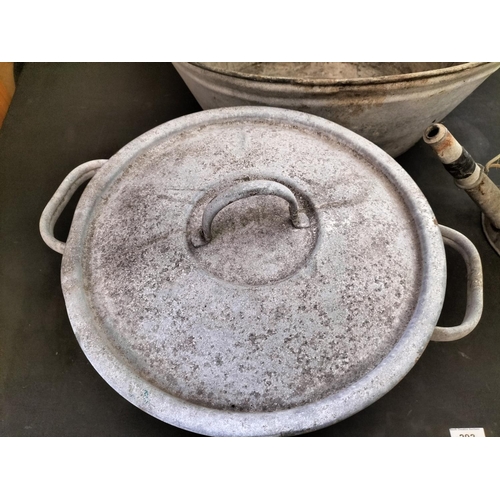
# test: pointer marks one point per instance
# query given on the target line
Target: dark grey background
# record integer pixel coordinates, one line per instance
(65, 114)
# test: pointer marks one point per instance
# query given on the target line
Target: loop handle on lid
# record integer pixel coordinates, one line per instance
(245, 190)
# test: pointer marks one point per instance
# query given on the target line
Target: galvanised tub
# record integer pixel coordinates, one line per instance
(390, 104)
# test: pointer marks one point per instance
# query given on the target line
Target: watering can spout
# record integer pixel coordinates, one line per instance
(451, 153)
(469, 176)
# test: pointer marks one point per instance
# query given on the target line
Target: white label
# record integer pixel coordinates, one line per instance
(470, 432)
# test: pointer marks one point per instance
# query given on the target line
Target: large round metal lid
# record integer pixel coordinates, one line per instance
(253, 271)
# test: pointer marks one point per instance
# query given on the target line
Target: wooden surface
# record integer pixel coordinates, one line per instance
(7, 88)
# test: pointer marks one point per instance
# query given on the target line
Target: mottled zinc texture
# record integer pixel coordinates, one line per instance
(266, 317)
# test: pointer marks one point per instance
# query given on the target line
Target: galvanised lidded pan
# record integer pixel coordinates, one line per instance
(254, 271)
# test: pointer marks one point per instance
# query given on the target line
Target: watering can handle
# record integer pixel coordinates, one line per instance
(61, 198)
(474, 307)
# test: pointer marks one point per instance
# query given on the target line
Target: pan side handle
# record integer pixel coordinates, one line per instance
(61, 198)
(474, 307)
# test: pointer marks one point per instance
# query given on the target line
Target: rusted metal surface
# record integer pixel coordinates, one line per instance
(452, 155)
(322, 73)
(491, 232)
(470, 177)
(388, 103)
(268, 329)
(486, 194)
